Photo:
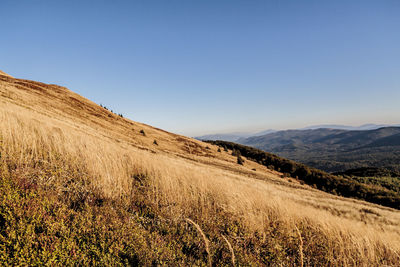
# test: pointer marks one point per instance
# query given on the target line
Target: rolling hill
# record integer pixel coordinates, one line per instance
(80, 185)
(334, 150)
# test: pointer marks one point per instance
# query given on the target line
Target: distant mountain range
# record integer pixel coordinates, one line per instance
(236, 136)
(334, 150)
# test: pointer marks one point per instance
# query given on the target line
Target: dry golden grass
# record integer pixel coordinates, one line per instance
(49, 123)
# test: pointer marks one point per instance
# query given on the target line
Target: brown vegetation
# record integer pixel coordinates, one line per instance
(127, 201)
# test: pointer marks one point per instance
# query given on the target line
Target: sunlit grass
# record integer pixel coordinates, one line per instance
(92, 167)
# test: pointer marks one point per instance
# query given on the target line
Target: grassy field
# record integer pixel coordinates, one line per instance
(81, 185)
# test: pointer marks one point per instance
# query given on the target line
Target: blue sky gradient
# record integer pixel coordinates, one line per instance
(196, 67)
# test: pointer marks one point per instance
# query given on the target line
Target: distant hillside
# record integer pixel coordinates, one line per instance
(364, 127)
(334, 150)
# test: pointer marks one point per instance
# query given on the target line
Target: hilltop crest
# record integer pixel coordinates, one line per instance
(5, 74)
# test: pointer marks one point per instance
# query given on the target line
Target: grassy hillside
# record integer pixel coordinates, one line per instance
(81, 185)
(334, 150)
(338, 185)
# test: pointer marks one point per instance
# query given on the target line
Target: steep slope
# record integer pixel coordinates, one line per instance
(334, 150)
(81, 185)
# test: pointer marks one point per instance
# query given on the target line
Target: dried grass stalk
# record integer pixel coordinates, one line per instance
(206, 242)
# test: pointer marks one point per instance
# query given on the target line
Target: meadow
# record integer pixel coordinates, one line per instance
(82, 185)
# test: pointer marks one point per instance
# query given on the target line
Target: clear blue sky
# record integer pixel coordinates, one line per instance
(196, 67)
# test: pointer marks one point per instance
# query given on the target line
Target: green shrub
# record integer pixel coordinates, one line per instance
(235, 152)
(239, 159)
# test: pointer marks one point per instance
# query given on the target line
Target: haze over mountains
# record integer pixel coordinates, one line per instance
(235, 136)
(334, 149)
(331, 148)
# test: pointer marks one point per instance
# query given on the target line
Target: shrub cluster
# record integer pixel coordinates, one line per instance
(119, 114)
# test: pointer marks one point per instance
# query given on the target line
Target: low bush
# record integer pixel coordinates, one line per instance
(240, 161)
